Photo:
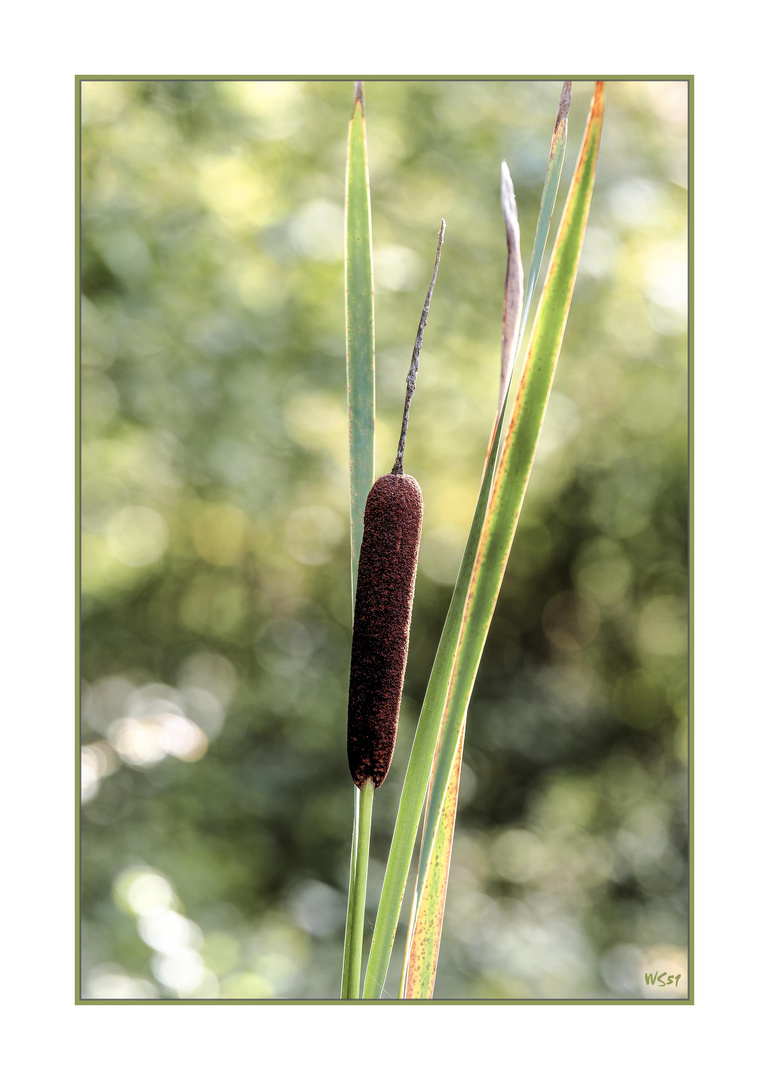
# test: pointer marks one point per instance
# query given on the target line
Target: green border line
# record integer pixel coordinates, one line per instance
(690, 565)
(78, 537)
(689, 79)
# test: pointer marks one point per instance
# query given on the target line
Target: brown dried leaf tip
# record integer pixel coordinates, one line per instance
(380, 638)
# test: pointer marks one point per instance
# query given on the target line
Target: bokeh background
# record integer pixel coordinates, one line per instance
(216, 814)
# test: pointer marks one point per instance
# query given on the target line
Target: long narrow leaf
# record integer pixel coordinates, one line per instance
(359, 275)
(430, 899)
(359, 280)
(510, 349)
(484, 561)
(549, 192)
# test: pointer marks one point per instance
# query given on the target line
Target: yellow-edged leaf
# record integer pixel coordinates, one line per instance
(422, 958)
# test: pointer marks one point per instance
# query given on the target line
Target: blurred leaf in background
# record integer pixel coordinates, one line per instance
(215, 547)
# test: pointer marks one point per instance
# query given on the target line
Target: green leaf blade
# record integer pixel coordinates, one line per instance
(359, 276)
(549, 193)
(425, 934)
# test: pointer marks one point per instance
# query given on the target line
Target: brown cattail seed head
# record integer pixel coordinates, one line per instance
(387, 569)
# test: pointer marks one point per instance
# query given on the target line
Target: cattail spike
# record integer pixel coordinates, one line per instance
(383, 600)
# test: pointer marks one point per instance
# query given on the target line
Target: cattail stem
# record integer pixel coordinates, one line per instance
(356, 909)
(411, 378)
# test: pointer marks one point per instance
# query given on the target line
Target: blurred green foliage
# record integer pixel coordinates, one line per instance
(215, 553)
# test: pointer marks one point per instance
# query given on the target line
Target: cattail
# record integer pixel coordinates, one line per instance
(392, 526)
(387, 570)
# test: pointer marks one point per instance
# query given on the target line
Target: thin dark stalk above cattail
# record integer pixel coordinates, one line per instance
(411, 378)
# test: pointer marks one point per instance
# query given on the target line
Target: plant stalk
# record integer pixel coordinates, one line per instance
(356, 908)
